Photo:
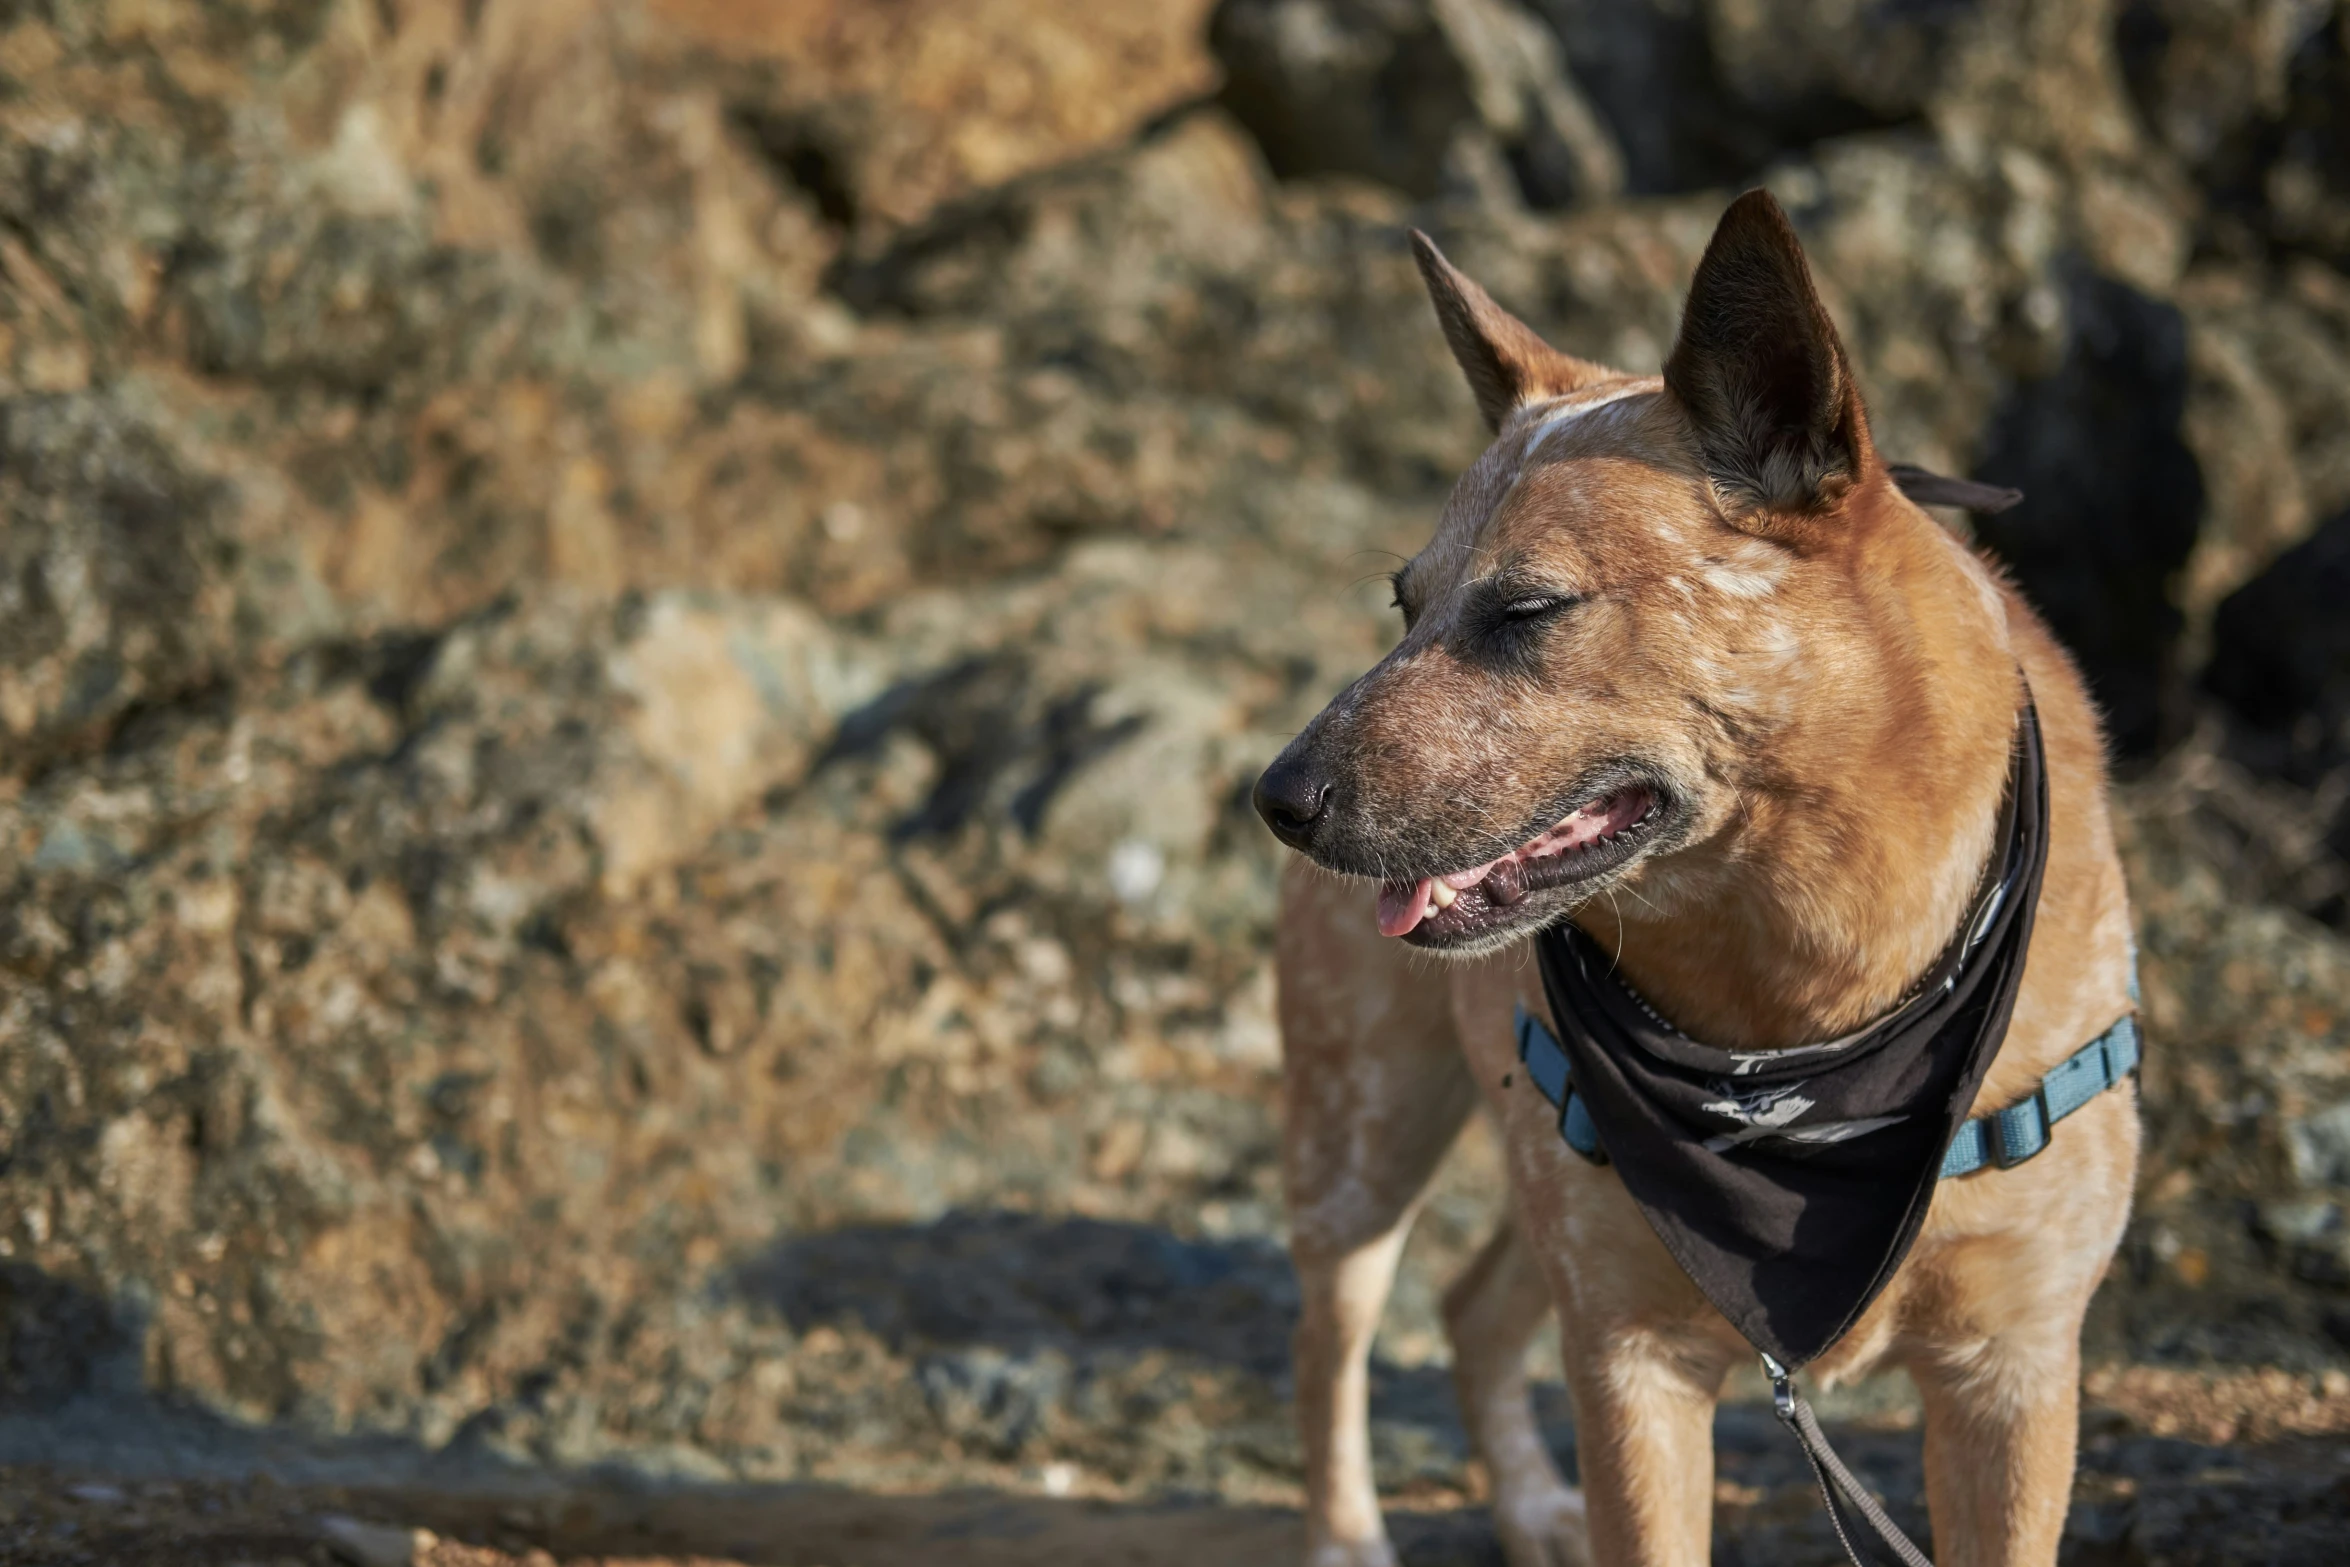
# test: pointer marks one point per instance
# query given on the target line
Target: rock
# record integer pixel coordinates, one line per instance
(2320, 1145)
(880, 118)
(373, 1544)
(1704, 94)
(1649, 71)
(2261, 447)
(2204, 75)
(2248, 1054)
(1809, 71)
(114, 575)
(1424, 95)
(2251, 98)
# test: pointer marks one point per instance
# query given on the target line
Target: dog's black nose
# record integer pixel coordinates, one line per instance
(1292, 796)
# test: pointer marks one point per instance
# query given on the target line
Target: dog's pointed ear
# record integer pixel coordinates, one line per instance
(1506, 361)
(1762, 375)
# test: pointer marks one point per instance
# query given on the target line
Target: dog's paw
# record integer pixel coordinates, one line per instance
(1374, 1552)
(1543, 1528)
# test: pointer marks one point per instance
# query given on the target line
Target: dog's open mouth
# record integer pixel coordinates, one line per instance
(1594, 838)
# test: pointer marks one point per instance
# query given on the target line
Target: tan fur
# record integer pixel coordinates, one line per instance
(1837, 692)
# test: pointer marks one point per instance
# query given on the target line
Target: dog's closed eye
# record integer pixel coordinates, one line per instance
(1509, 624)
(1519, 610)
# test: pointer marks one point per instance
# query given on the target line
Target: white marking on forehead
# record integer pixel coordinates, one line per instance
(1514, 456)
(1559, 418)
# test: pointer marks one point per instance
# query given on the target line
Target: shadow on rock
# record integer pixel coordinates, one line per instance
(58, 1340)
(1022, 1282)
(2112, 495)
(983, 719)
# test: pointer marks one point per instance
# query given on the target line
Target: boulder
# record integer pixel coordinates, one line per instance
(1699, 94)
(879, 115)
(2252, 99)
(1467, 96)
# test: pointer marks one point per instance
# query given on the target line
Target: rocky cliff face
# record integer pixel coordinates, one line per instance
(633, 633)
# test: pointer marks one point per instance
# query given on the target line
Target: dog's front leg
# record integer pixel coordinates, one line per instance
(1340, 1296)
(1495, 1308)
(2001, 1428)
(1491, 1314)
(2004, 1277)
(1374, 1095)
(1644, 1408)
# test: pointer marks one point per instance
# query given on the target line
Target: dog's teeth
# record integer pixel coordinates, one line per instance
(1442, 896)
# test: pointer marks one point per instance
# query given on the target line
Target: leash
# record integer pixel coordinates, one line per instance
(1851, 1509)
(2004, 1138)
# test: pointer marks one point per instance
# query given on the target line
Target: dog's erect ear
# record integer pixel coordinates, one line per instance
(1762, 373)
(1506, 361)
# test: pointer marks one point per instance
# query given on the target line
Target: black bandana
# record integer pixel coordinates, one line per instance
(1789, 1184)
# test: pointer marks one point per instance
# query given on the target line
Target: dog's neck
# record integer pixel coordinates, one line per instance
(1846, 869)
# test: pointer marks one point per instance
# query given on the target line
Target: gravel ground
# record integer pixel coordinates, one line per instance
(2159, 1502)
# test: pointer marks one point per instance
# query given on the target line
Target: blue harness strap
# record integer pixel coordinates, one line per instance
(1546, 1062)
(2003, 1138)
(2010, 1136)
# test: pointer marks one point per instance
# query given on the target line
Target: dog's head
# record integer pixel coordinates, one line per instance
(1640, 584)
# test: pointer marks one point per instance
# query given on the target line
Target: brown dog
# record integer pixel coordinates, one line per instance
(1683, 656)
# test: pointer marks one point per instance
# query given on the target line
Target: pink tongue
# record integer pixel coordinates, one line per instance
(1402, 903)
(1400, 906)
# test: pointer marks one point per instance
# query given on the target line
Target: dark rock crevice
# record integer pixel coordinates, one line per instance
(1659, 73)
(2112, 501)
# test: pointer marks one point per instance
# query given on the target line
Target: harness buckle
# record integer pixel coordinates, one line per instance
(2000, 1154)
